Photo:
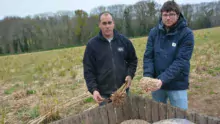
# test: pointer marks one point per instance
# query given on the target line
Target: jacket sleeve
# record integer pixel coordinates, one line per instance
(131, 60)
(148, 66)
(89, 69)
(183, 57)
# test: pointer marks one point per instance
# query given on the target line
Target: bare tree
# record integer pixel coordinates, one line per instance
(98, 10)
(187, 11)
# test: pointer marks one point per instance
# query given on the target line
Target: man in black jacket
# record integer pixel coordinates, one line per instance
(109, 60)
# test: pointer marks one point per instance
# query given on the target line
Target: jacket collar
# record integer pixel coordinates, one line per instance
(116, 35)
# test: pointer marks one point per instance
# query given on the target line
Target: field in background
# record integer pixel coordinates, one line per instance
(35, 84)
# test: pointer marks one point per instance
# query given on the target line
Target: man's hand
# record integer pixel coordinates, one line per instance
(128, 79)
(97, 97)
(159, 84)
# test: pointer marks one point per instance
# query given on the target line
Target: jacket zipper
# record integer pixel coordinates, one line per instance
(113, 62)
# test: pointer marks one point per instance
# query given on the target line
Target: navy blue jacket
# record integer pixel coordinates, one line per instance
(167, 56)
(107, 64)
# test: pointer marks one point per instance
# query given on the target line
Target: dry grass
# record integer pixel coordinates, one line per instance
(50, 113)
(35, 84)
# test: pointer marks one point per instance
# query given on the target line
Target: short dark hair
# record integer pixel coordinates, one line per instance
(170, 6)
(105, 13)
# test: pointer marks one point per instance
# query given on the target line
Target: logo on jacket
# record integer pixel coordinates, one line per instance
(120, 49)
(174, 44)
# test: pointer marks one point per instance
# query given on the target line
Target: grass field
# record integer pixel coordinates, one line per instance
(35, 84)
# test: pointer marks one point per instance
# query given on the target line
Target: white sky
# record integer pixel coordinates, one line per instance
(30, 7)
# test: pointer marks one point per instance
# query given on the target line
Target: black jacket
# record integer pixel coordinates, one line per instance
(107, 64)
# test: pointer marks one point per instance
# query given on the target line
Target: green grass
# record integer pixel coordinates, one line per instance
(34, 112)
(89, 100)
(212, 92)
(26, 113)
(3, 115)
(29, 92)
(11, 89)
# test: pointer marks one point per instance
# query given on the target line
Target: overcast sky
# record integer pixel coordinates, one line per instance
(31, 7)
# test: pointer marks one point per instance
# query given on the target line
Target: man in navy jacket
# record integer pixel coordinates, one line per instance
(167, 56)
(109, 60)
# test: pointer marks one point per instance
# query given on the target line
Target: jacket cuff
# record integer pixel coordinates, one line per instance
(148, 75)
(162, 79)
(129, 74)
(92, 90)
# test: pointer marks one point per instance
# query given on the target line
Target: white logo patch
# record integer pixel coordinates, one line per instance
(120, 49)
(174, 44)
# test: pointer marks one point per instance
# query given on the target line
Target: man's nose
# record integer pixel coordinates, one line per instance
(107, 25)
(168, 17)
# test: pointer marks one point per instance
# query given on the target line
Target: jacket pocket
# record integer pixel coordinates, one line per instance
(180, 77)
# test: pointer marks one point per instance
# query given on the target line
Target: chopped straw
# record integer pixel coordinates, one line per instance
(147, 82)
(54, 111)
(117, 99)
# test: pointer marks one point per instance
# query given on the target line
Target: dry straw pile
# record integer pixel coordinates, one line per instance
(147, 82)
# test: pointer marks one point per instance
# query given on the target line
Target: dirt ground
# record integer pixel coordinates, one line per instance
(204, 96)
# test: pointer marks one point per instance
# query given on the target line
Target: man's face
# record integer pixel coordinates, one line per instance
(107, 25)
(169, 18)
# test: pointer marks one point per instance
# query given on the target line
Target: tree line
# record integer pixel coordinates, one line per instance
(72, 28)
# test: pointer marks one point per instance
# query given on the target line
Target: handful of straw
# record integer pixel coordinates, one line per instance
(147, 82)
(119, 96)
